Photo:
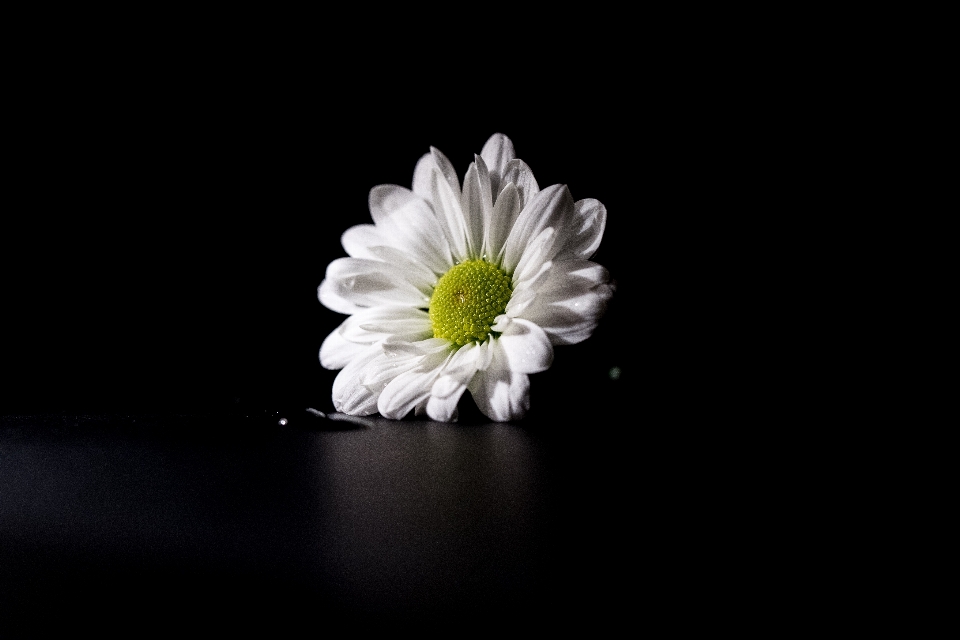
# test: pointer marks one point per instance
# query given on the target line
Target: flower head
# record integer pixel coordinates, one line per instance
(459, 287)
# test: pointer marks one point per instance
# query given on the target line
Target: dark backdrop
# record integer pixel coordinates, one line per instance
(175, 227)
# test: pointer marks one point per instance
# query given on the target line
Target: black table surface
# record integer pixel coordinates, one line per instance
(302, 517)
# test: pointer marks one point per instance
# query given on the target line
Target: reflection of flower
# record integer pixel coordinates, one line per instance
(456, 288)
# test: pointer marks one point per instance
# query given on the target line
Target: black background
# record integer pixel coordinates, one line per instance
(175, 224)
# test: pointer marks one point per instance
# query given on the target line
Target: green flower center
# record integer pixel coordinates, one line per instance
(467, 299)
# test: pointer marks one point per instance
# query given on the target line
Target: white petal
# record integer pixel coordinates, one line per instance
(501, 221)
(531, 273)
(534, 258)
(419, 347)
(382, 322)
(336, 351)
(465, 361)
(407, 329)
(384, 368)
(501, 322)
(413, 271)
(447, 205)
(520, 302)
(411, 387)
(328, 295)
(368, 326)
(452, 382)
(501, 394)
(552, 207)
(423, 177)
(521, 176)
(386, 199)
(446, 169)
(369, 283)
(569, 271)
(525, 293)
(525, 346)
(358, 239)
(485, 355)
(476, 202)
(423, 174)
(391, 264)
(444, 409)
(349, 396)
(591, 220)
(496, 153)
(534, 280)
(571, 301)
(408, 222)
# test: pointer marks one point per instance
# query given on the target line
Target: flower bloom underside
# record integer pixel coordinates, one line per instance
(458, 287)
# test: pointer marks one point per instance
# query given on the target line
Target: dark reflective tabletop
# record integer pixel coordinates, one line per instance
(352, 519)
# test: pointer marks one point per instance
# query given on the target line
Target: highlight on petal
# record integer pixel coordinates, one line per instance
(399, 347)
(569, 304)
(524, 346)
(408, 222)
(368, 283)
(496, 153)
(526, 289)
(501, 394)
(404, 329)
(453, 380)
(380, 371)
(386, 199)
(351, 397)
(404, 392)
(358, 239)
(423, 174)
(552, 207)
(412, 270)
(384, 322)
(367, 326)
(446, 170)
(534, 258)
(502, 218)
(520, 175)
(449, 213)
(476, 202)
(336, 351)
(423, 177)
(329, 296)
(591, 221)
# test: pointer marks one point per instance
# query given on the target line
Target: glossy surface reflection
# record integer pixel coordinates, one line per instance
(353, 519)
(413, 515)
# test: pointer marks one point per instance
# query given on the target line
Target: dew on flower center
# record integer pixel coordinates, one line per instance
(466, 301)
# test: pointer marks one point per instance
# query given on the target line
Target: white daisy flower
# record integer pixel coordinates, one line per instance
(461, 287)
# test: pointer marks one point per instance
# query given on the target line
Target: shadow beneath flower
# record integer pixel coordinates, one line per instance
(342, 421)
(335, 421)
(535, 423)
(314, 420)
